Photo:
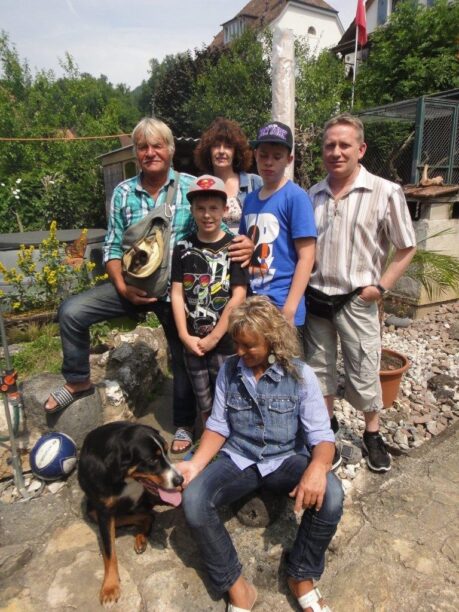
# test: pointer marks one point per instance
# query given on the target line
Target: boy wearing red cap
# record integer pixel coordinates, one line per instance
(206, 286)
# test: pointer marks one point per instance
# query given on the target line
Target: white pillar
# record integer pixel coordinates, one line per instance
(283, 81)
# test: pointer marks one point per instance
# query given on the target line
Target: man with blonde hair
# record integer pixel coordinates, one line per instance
(358, 217)
(132, 200)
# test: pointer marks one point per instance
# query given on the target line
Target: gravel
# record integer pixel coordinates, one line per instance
(428, 400)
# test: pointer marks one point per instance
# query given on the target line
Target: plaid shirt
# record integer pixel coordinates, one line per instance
(130, 203)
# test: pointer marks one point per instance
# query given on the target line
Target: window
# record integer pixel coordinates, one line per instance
(312, 31)
(382, 12)
(233, 29)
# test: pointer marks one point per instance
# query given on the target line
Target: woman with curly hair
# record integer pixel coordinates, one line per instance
(269, 428)
(224, 151)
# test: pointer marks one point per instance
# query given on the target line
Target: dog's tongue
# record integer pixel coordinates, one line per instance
(174, 498)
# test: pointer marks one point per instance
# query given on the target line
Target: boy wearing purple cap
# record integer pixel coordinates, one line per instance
(279, 219)
(206, 286)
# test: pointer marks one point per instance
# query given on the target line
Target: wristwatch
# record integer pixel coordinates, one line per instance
(382, 290)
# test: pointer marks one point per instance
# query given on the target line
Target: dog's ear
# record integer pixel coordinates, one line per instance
(126, 460)
(118, 461)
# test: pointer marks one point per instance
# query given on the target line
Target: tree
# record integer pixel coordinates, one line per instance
(414, 54)
(171, 85)
(237, 85)
(322, 91)
(59, 180)
(143, 95)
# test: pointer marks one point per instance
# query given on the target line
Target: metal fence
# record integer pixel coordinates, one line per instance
(405, 136)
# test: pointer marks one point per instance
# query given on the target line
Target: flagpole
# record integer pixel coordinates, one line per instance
(355, 65)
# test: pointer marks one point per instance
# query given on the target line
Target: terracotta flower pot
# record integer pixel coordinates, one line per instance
(393, 366)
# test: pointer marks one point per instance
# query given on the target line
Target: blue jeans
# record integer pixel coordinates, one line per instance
(79, 312)
(222, 483)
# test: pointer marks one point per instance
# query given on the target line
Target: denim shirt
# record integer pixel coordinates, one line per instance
(264, 421)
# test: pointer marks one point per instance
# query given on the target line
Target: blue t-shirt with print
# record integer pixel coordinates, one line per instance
(273, 224)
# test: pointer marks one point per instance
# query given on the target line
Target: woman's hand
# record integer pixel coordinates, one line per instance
(188, 470)
(310, 491)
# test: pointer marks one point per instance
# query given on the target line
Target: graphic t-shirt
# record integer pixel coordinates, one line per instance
(273, 225)
(207, 275)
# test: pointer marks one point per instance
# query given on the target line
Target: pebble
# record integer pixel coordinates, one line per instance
(419, 413)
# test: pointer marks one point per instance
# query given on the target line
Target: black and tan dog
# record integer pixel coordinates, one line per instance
(121, 465)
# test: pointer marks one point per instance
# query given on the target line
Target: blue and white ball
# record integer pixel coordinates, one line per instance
(53, 456)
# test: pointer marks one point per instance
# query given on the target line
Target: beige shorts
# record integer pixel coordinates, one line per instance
(357, 326)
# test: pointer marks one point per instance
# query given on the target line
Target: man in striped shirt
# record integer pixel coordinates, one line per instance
(132, 200)
(358, 217)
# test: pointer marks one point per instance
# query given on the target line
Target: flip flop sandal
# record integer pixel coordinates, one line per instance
(64, 398)
(311, 600)
(182, 435)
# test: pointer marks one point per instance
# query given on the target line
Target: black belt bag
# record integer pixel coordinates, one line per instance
(327, 306)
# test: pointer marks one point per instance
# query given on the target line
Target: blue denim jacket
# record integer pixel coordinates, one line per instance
(248, 183)
(264, 425)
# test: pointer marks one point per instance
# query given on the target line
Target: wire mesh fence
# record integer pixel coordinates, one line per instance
(404, 137)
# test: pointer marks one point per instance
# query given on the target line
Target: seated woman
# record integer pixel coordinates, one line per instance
(269, 427)
(224, 151)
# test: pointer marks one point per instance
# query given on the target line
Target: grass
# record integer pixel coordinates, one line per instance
(41, 355)
(31, 331)
(41, 346)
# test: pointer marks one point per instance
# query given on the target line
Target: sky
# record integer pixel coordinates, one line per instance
(117, 38)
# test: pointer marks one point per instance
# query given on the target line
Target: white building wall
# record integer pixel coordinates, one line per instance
(372, 16)
(327, 28)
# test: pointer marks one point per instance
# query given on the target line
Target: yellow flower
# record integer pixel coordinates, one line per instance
(16, 305)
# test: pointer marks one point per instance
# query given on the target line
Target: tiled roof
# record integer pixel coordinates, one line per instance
(264, 12)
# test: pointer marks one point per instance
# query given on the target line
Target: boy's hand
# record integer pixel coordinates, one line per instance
(191, 343)
(289, 315)
(241, 250)
(208, 343)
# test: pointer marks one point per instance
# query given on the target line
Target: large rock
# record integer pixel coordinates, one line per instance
(138, 363)
(76, 420)
(14, 557)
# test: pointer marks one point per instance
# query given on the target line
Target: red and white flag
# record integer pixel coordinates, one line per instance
(361, 23)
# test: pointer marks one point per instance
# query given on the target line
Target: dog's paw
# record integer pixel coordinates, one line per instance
(140, 543)
(109, 594)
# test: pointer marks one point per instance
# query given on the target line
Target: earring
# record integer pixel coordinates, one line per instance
(271, 358)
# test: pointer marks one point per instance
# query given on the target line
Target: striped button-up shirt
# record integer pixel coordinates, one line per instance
(354, 234)
(130, 203)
